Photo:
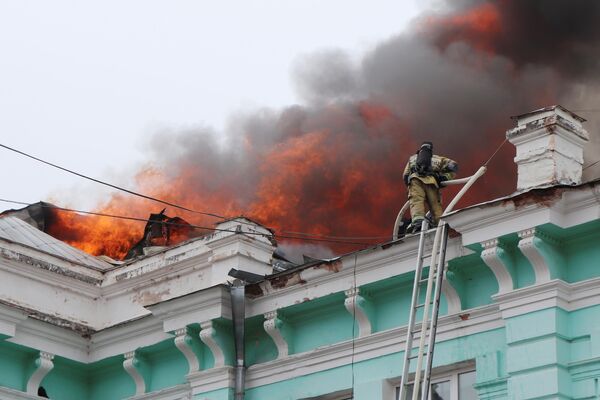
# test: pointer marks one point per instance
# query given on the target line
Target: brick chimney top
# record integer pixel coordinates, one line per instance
(549, 144)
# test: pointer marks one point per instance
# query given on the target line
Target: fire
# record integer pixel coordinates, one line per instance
(335, 167)
(478, 26)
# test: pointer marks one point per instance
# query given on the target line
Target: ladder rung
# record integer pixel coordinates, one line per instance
(423, 304)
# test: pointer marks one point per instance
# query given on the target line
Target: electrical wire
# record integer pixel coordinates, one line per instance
(213, 229)
(591, 165)
(355, 294)
(144, 196)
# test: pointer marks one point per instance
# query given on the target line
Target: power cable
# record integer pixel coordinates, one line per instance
(145, 220)
(591, 165)
(144, 196)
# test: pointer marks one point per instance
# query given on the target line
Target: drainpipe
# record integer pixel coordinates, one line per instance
(238, 309)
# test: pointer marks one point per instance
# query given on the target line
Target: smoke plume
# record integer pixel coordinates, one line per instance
(333, 164)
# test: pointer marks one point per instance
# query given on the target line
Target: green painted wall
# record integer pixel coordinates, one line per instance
(166, 365)
(377, 369)
(109, 381)
(259, 345)
(15, 364)
(68, 380)
(319, 322)
(473, 280)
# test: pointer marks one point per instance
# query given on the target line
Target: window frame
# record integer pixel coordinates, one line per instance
(441, 374)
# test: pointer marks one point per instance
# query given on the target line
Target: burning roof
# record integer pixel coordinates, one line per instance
(333, 165)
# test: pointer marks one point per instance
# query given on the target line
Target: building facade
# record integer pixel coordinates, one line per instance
(519, 317)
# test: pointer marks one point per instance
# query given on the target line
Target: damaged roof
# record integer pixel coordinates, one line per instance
(17, 231)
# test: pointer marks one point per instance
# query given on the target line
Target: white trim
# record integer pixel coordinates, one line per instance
(354, 303)
(182, 342)
(554, 293)
(12, 394)
(211, 379)
(44, 365)
(51, 339)
(375, 345)
(486, 221)
(272, 325)
(179, 392)
(9, 319)
(204, 305)
(490, 257)
(207, 335)
(126, 338)
(372, 265)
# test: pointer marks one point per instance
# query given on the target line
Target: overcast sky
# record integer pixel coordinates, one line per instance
(83, 83)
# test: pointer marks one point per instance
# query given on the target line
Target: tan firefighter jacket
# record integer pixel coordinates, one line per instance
(442, 169)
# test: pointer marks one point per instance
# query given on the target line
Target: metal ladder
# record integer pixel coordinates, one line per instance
(428, 328)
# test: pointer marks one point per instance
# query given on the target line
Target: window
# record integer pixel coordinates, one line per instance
(449, 386)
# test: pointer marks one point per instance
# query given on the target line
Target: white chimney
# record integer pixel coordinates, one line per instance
(549, 144)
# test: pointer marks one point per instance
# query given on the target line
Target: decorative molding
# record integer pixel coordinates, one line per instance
(372, 265)
(12, 394)
(273, 326)
(211, 379)
(372, 346)
(554, 293)
(127, 337)
(356, 306)
(183, 342)
(132, 365)
(43, 365)
(203, 305)
(532, 253)
(10, 318)
(491, 257)
(207, 335)
(179, 392)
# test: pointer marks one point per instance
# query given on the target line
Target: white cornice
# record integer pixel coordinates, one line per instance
(194, 308)
(554, 293)
(11, 394)
(9, 319)
(140, 277)
(126, 338)
(179, 392)
(487, 221)
(375, 345)
(52, 277)
(211, 379)
(372, 265)
(51, 339)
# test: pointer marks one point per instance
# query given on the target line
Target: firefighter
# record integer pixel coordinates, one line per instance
(423, 174)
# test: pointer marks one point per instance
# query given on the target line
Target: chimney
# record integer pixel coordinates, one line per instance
(549, 144)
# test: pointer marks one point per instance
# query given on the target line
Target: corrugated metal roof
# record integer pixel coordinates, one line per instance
(16, 230)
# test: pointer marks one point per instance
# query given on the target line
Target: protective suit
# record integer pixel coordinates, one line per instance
(423, 174)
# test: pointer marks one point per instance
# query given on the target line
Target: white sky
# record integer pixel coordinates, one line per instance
(82, 83)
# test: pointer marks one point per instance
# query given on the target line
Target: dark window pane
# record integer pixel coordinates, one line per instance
(440, 391)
